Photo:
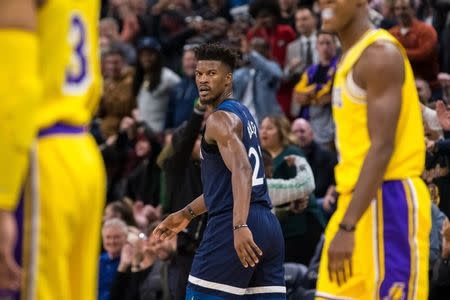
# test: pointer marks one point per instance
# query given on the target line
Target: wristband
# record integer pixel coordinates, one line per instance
(236, 227)
(347, 227)
(191, 212)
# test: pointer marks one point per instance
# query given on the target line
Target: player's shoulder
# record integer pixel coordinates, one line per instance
(381, 57)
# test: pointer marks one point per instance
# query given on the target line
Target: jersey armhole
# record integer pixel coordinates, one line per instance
(356, 93)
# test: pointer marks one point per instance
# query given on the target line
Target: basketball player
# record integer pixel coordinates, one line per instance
(241, 253)
(55, 43)
(377, 241)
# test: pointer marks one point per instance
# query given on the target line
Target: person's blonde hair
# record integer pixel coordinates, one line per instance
(283, 126)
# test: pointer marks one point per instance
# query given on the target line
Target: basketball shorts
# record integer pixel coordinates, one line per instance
(217, 272)
(390, 258)
(59, 217)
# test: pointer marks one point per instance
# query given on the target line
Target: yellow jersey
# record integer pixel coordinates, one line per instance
(350, 115)
(69, 61)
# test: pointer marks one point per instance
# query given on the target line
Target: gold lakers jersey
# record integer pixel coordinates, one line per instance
(350, 115)
(69, 61)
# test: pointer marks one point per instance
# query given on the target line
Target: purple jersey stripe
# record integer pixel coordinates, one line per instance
(397, 252)
(60, 128)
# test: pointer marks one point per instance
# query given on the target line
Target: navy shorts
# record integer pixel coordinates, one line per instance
(217, 272)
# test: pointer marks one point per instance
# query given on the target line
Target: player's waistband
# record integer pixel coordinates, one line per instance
(61, 128)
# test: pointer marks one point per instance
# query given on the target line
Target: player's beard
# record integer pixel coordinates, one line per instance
(208, 101)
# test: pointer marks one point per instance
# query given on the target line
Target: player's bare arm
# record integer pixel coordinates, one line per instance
(16, 17)
(177, 221)
(384, 94)
(225, 130)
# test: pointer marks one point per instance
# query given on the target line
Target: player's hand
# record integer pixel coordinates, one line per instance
(246, 249)
(443, 114)
(172, 225)
(9, 269)
(340, 255)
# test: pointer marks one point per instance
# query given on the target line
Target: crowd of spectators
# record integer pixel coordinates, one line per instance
(148, 126)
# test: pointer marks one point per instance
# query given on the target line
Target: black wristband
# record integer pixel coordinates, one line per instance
(347, 227)
(191, 212)
(236, 227)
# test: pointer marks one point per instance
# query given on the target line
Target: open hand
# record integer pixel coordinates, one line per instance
(246, 249)
(340, 255)
(172, 225)
(443, 114)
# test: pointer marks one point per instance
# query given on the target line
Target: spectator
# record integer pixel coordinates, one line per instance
(109, 30)
(118, 100)
(139, 274)
(152, 84)
(183, 182)
(287, 9)
(119, 210)
(183, 95)
(429, 115)
(213, 9)
(302, 53)
(143, 181)
(440, 280)
(322, 162)
(114, 235)
(314, 90)
(441, 21)
(437, 174)
(256, 82)
(175, 24)
(267, 15)
(420, 42)
(282, 191)
(301, 222)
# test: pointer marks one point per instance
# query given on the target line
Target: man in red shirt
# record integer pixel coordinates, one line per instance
(420, 42)
(266, 14)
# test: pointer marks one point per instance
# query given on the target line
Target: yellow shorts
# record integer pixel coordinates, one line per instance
(390, 259)
(62, 208)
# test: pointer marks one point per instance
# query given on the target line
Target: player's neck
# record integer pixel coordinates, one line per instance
(351, 34)
(227, 94)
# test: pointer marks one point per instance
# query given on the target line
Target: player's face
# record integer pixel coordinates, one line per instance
(113, 240)
(212, 78)
(269, 135)
(336, 14)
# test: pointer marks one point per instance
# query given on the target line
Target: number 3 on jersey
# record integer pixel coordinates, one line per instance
(77, 71)
(256, 167)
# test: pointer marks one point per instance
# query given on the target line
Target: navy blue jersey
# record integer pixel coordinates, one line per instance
(216, 177)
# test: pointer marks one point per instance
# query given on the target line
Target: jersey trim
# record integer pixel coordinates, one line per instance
(355, 92)
(326, 296)
(236, 290)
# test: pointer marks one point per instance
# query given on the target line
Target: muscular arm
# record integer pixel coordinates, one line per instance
(225, 130)
(384, 95)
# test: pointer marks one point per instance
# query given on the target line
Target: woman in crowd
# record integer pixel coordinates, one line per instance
(301, 220)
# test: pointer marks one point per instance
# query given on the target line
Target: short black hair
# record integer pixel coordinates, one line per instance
(269, 6)
(217, 52)
(115, 49)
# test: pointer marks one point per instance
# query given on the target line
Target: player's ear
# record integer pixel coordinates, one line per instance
(229, 78)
